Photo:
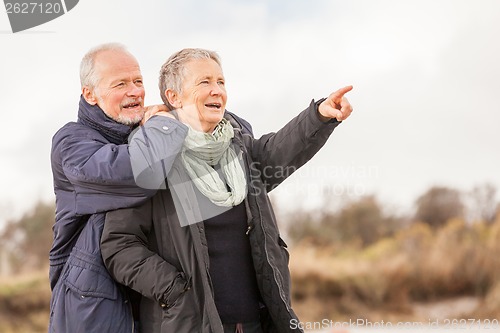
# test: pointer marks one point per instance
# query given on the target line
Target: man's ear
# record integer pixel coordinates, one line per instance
(173, 98)
(89, 96)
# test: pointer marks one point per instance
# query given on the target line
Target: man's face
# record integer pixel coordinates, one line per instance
(120, 91)
(204, 88)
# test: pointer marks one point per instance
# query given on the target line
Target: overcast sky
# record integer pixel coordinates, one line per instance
(426, 77)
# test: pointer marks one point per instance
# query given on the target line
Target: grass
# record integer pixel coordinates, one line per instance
(379, 282)
(418, 264)
(24, 303)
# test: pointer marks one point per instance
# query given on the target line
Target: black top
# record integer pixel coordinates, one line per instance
(231, 266)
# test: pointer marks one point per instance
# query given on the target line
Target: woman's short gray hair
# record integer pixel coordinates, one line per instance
(172, 71)
(88, 75)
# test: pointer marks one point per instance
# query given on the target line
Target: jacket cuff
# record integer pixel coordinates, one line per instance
(315, 106)
(179, 286)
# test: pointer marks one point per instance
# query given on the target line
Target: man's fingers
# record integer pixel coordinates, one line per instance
(342, 110)
(156, 108)
(151, 110)
(340, 116)
(345, 107)
(165, 114)
(334, 113)
(337, 96)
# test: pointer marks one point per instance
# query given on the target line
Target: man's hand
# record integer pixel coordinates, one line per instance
(336, 106)
(188, 115)
(160, 109)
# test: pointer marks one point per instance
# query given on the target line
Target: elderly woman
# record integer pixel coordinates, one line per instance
(205, 253)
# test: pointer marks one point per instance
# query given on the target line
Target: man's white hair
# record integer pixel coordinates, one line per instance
(88, 76)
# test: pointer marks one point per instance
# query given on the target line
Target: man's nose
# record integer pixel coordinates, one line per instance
(135, 90)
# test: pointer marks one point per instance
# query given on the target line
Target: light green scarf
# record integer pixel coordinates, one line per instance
(201, 151)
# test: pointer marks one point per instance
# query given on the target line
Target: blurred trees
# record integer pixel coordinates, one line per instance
(360, 257)
(352, 256)
(483, 206)
(364, 220)
(438, 205)
(27, 241)
(419, 263)
(352, 223)
(359, 222)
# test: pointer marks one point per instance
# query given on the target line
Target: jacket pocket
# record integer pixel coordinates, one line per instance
(284, 272)
(184, 313)
(178, 287)
(87, 276)
(86, 299)
(284, 249)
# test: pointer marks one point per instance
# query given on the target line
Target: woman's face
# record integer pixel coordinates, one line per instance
(203, 94)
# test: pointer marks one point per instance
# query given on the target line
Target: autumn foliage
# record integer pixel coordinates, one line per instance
(360, 259)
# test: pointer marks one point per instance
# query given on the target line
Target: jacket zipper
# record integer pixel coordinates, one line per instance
(269, 262)
(250, 227)
(129, 303)
(281, 292)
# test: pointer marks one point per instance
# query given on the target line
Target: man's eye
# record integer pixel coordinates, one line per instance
(221, 83)
(138, 82)
(204, 82)
(121, 84)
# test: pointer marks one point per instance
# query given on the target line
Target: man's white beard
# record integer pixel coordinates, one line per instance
(121, 118)
(131, 120)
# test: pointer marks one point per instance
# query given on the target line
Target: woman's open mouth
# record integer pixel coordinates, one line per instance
(214, 106)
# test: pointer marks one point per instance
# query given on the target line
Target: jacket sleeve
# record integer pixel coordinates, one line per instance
(126, 251)
(103, 174)
(277, 155)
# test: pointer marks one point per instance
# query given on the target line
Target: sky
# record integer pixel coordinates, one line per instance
(426, 77)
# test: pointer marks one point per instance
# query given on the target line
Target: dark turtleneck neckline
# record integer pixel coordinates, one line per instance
(94, 117)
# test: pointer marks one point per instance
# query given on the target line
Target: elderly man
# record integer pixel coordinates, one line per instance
(206, 253)
(93, 174)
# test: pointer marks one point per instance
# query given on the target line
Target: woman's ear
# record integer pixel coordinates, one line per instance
(173, 98)
(89, 95)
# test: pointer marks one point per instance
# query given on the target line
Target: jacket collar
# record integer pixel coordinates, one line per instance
(93, 117)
